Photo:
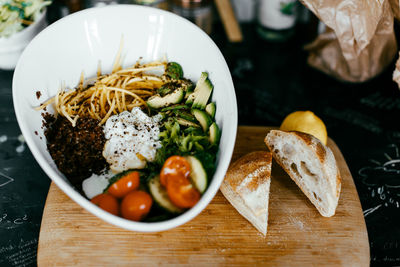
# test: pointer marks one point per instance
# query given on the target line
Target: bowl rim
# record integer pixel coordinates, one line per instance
(83, 201)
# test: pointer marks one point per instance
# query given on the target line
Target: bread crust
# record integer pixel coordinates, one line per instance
(246, 186)
(329, 180)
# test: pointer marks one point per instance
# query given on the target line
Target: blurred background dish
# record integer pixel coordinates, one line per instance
(13, 41)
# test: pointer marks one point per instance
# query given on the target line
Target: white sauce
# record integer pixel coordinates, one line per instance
(132, 140)
(95, 184)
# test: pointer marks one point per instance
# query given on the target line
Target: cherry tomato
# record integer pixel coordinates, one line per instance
(126, 184)
(181, 192)
(174, 165)
(136, 205)
(106, 202)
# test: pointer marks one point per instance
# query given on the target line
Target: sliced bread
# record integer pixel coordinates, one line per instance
(246, 186)
(310, 164)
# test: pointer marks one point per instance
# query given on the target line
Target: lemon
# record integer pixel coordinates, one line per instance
(306, 122)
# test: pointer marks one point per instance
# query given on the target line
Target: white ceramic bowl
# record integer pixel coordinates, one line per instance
(77, 42)
(12, 47)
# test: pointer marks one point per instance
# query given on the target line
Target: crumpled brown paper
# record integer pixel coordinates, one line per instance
(359, 42)
(395, 4)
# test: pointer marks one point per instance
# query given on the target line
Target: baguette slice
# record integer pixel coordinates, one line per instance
(310, 164)
(246, 186)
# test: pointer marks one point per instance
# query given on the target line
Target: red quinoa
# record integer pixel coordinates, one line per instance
(77, 151)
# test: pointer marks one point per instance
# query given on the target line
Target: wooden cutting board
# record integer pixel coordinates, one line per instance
(297, 234)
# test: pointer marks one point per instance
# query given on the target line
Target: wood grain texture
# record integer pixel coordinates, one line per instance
(297, 234)
(229, 20)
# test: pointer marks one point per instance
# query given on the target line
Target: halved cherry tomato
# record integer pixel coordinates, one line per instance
(107, 203)
(136, 205)
(126, 184)
(174, 165)
(181, 192)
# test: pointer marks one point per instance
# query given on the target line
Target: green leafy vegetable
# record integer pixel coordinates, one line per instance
(167, 88)
(174, 70)
(175, 107)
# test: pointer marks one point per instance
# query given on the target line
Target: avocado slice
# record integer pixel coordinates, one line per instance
(158, 101)
(215, 133)
(211, 109)
(199, 98)
(203, 118)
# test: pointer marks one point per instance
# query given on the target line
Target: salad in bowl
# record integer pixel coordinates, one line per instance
(139, 134)
(140, 142)
(16, 15)
(20, 21)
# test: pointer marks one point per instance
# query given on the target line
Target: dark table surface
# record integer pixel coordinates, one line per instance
(271, 80)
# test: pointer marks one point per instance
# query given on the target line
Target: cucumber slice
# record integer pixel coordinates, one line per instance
(160, 196)
(210, 109)
(158, 101)
(198, 174)
(215, 133)
(203, 118)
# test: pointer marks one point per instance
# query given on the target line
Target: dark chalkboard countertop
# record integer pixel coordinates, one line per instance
(271, 80)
